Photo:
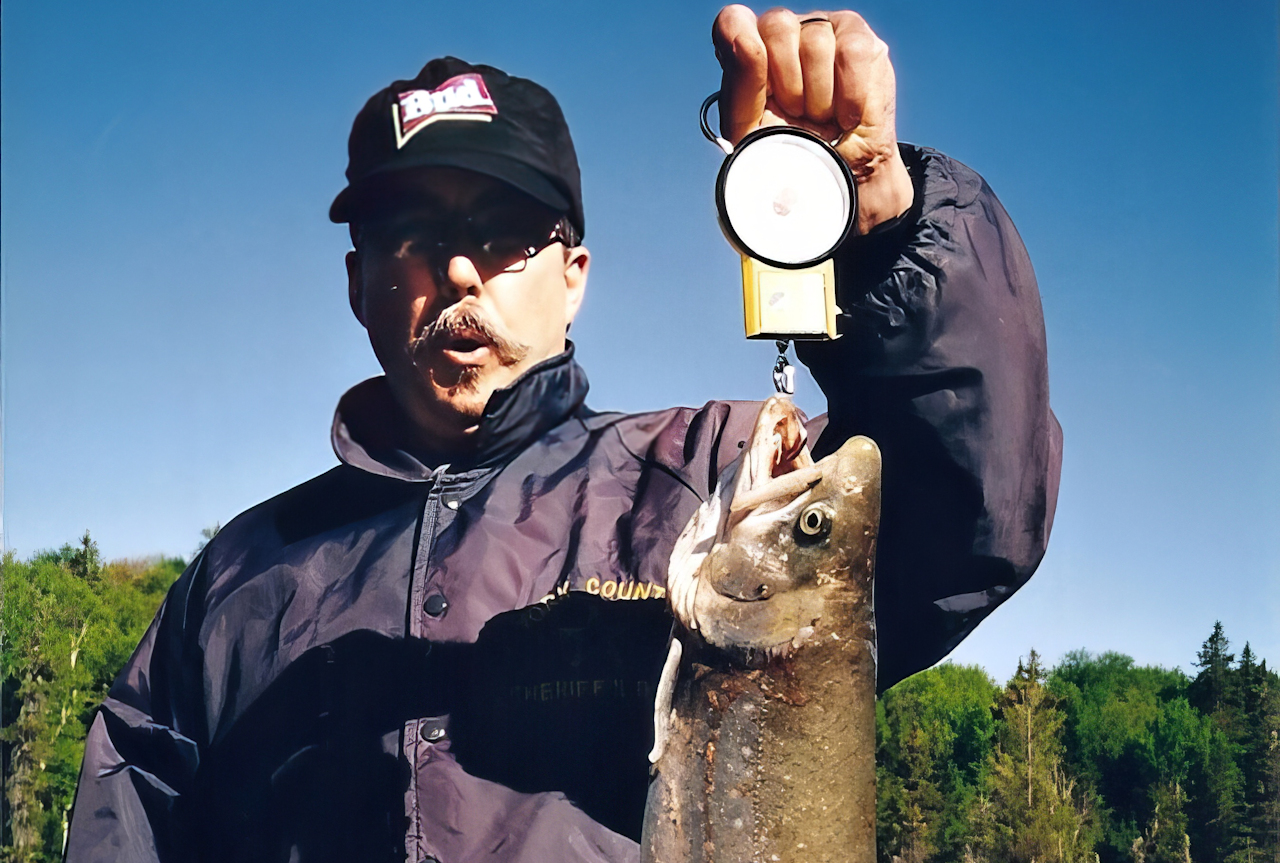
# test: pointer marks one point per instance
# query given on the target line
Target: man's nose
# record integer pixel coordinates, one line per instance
(462, 276)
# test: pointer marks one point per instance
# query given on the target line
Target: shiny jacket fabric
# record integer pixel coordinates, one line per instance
(455, 661)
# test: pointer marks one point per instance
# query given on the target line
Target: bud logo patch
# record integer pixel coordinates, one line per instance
(462, 97)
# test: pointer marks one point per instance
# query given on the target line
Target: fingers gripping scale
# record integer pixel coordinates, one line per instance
(786, 201)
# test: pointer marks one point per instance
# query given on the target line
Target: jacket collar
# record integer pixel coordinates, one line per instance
(371, 433)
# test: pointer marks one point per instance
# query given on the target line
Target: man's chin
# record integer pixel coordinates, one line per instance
(463, 394)
(452, 399)
(465, 399)
(460, 382)
(471, 384)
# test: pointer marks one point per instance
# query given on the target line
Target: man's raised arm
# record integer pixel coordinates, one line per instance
(942, 358)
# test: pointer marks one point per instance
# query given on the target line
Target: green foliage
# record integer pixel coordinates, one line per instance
(934, 735)
(68, 624)
(1127, 730)
(1098, 756)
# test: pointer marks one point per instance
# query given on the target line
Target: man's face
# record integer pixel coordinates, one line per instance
(453, 309)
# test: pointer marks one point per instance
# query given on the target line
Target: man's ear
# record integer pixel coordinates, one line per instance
(577, 261)
(355, 286)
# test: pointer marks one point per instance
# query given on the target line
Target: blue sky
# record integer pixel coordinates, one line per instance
(176, 331)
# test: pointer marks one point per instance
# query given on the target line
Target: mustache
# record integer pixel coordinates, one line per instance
(469, 322)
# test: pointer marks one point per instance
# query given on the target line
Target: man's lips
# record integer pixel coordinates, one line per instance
(463, 336)
(467, 347)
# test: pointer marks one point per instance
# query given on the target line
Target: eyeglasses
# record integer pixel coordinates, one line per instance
(500, 240)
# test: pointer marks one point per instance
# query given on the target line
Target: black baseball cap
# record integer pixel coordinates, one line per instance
(458, 115)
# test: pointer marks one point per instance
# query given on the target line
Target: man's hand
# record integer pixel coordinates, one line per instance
(825, 72)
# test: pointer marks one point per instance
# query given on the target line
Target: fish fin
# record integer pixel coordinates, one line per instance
(662, 703)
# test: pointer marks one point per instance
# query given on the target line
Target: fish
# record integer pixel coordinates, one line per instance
(764, 721)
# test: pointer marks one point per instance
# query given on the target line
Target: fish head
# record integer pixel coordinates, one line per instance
(762, 561)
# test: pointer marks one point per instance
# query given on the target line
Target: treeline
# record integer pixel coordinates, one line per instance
(69, 623)
(1095, 760)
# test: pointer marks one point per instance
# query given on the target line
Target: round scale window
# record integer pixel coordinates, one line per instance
(787, 198)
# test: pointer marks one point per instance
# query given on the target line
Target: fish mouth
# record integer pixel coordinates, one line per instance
(777, 467)
(726, 579)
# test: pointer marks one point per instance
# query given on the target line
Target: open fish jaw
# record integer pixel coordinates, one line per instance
(761, 558)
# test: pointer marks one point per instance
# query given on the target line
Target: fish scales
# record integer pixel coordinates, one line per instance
(765, 721)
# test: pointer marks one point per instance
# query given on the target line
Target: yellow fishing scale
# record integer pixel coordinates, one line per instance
(786, 201)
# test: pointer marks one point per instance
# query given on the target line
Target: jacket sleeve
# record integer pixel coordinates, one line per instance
(942, 362)
(142, 749)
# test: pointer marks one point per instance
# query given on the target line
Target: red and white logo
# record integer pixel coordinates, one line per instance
(462, 97)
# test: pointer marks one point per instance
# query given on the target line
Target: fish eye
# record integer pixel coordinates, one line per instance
(814, 522)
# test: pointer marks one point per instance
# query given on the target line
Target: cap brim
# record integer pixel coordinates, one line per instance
(351, 200)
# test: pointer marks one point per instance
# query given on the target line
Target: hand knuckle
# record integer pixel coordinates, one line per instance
(861, 50)
(851, 20)
(733, 16)
(778, 22)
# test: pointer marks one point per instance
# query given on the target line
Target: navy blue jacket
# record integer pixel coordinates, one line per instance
(456, 661)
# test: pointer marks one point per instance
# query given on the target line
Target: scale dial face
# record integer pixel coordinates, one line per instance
(786, 197)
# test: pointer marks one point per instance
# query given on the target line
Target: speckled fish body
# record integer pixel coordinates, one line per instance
(765, 721)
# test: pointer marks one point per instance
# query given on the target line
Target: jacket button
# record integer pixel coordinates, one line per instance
(436, 604)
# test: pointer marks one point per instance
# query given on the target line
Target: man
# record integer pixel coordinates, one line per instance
(444, 648)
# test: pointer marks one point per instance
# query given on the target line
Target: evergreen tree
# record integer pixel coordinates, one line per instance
(923, 801)
(1248, 692)
(1269, 816)
(1259, 702)
(1137, 765)
(1166, 839)
(1210, 691)
(86, 562)
(27, 781)
(1032, 809)
(1233, 799)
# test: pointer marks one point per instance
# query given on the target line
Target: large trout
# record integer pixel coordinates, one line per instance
(765, 717)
